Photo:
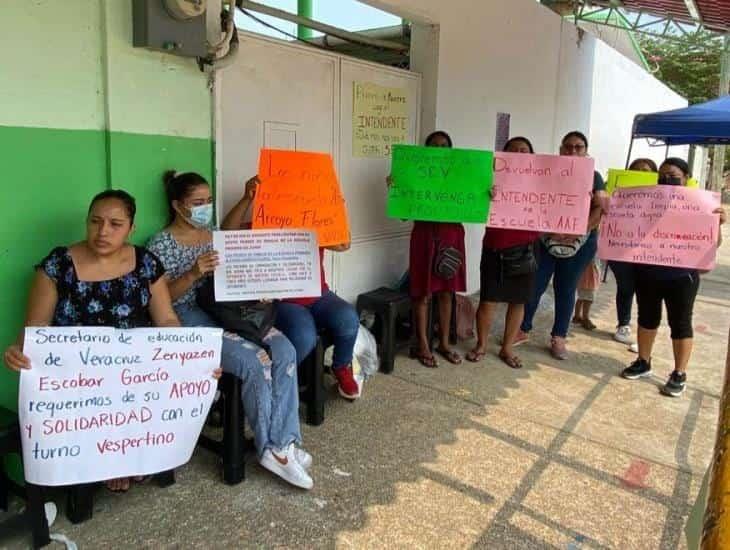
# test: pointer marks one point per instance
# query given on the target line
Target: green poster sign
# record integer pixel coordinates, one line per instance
(440, 184)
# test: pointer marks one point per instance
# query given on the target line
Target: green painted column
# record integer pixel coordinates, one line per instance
(304, 9)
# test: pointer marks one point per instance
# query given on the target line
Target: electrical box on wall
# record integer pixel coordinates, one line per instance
(174, 26)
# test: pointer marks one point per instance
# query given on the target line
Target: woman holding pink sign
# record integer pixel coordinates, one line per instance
(564, 259)
(677, 288)
(507, 276)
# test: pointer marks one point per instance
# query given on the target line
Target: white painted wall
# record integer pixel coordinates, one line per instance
(518, 57)
(622, 89)
(500, 56)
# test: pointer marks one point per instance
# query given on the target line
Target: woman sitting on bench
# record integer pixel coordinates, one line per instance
(101, 281)
(270, 392)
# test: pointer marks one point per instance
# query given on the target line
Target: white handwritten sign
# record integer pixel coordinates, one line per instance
(100, 403)
(266, 264)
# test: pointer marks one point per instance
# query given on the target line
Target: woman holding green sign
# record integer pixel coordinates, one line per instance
(437, 267)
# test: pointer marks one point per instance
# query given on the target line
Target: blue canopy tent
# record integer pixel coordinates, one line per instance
(701, 124)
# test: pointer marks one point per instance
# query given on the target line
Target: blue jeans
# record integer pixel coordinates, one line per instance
(566, 273)
(330, 312)
(625, 277)
(270, 391)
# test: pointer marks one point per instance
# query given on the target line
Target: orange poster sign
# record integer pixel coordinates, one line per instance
(300, 191)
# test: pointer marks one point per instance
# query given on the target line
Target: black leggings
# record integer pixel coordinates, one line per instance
(678, 295)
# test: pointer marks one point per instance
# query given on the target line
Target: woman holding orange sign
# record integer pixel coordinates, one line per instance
(301, 319)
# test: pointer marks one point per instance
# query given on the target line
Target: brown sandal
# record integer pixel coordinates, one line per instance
(427, 360)
(450, 355)
(511, 361)
(475, 356)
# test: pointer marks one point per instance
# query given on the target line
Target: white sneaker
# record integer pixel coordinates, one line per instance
(303, 457)
(284, 464)
(623, 335)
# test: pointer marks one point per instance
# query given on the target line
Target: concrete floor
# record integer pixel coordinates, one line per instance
(556, 455)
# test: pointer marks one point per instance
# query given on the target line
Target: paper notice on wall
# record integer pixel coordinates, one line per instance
(380, 119)
(100, 403)
(266, 264)
(545, 193)
(501, 136)
(661, 225)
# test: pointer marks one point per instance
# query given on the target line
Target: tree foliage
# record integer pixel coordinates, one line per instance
(690, 67)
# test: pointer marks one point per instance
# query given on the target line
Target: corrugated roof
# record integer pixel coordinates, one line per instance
(714, 14)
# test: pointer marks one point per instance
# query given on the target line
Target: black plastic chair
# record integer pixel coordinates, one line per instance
(388, 306)
(80, 499)
(311, 381)
(232, 447)
(35, 512)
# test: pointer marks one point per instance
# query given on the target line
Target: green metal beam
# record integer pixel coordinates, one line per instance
(305, 8)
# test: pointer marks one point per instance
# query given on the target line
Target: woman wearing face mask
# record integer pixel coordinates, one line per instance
(428, 241)
(498, 286)
(101, 281)
(675, 286)
(565, 270)
(623, 272)
(270, 391)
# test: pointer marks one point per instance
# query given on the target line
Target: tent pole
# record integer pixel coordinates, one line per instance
(628, 162)
(666, 152)
(631, 147)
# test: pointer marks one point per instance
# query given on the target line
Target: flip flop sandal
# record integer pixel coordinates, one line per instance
(511, 361)
(475, 356)
(428, 361)
(577, 321)
(451, 356)
(588, 324)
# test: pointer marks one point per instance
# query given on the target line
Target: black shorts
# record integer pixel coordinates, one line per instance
(497, 288)
(677, 294)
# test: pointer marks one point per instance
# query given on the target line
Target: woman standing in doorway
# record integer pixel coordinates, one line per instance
(500, 248)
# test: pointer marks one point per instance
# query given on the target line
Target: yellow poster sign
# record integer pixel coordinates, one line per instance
(629, 178)
(379, 119)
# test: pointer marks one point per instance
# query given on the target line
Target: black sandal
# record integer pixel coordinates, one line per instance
(450, 355)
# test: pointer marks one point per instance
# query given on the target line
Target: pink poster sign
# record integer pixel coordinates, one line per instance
(545, 193)
(661, 225)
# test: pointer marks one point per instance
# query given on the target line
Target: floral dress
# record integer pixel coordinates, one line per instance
(121, 303)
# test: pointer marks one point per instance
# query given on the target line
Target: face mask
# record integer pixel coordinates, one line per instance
(665, 179)
(201, 216)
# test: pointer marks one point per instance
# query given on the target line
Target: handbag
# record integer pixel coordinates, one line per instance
(448, 262)
(564, 249)
(251, 320)
(518, 260)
